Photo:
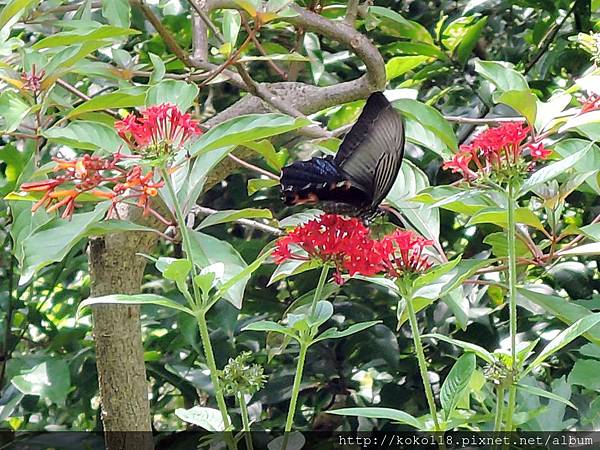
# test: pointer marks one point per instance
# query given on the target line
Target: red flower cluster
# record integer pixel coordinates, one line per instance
(332, 239)
(92, 175)
(162, 127)
(592, 103)
(346, 244)
(402, 252)
(496, 150)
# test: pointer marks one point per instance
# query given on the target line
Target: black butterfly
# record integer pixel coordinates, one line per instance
(361, 174)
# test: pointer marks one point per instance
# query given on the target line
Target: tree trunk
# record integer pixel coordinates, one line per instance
(115, 268)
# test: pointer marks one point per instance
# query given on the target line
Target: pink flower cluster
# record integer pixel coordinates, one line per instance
(158, 126)
(495, 150)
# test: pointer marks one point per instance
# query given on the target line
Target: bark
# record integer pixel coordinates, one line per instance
(115, 268)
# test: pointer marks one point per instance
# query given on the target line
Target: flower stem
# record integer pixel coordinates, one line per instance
(198, 307)
(319, 289)
(499, 408)
(512, 302)
(296, 388)
(245, 421)
(422, 363)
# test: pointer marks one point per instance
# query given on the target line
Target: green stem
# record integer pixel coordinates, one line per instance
(319, 289)
(183, 229)
(245, 421)
(499, 408)
(422, 363)
(512, 302)
(296, 388)
(198, 307)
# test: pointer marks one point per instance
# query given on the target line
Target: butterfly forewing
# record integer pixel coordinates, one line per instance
(363, 170)
(371, 153)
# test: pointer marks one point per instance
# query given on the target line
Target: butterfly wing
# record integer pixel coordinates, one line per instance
(317, 180)
(371, 153)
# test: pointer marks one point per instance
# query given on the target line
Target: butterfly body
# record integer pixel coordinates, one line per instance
(361, 174)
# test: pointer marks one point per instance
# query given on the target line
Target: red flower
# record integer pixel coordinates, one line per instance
(332, 239)
(93, 176)
(402, 252)
(140, 187)
(160, 126)
(494, 150)
(592, 103)
(538, 151)
(84, 174)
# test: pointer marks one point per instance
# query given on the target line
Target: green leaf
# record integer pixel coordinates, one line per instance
(292, 267)
(159, 69)
(51, 242)
(231, 25)
(239, 277)
(550, 395)
(274, 159)
(257, 184)
(13, 110)
(499, 216)
(251, 127)
(14, 9)
(591, 117)
(232, 215)
(499, 243)
(178, 92)
(276, 57)
(469, 40)
(116, 12)
(80, 35)
(399, 65)
(137, 299)
(209, 419)
(393, 23)
(524, 102)
(585, 373)
(267, 325)
(468, 202)
(587, 249)
(178, 271)
(459, 304)
(115, 99)
(209, 250)
(380, 413)
(429, 118)
(553, 170)
(86, 135)
(467, 346)
(567, 147)
(505, 78)
(435, 273)
(50, 380)
(578, 328)
(411, 180)
(592, 231)
(334, 333)
(566, 311)
(457, 382)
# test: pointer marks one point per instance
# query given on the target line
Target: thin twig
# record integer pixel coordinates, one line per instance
(252, 167)
(73, 90)
(251, 223)
(262, 50)
(484, 120)
(351, 11)
(548, 38)
(170, 41)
